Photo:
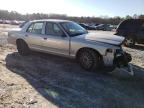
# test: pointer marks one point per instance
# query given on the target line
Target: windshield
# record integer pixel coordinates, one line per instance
(73, 29)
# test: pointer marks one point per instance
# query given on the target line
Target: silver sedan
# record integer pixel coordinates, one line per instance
(69, 39)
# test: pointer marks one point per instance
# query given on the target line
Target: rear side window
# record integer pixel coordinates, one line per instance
(35, 28)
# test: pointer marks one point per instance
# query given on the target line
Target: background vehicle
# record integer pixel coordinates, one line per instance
(104, 27)
(1, 21)
(133, 30)
(22, 24)
(15, 22)
(87, 27)
(6, 22)
(96, 24)
(67, 38)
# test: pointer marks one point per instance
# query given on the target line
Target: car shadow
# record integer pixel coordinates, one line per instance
(62, 82)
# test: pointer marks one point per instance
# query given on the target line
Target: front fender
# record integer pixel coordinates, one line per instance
(101, 48)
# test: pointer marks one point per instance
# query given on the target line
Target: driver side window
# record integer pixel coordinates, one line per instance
(53, 29)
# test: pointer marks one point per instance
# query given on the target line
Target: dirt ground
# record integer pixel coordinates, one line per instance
(47, 81)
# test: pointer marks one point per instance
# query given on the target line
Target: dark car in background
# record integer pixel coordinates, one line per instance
(104, 27)
(87, 27)
(100, 27)
(132, 30)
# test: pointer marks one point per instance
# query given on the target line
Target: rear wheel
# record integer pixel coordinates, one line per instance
(22, 47)
(88, 59)
(129, 42)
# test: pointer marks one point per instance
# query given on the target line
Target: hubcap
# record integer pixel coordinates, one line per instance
(86, 60)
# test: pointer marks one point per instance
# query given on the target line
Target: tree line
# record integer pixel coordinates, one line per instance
(13, 15)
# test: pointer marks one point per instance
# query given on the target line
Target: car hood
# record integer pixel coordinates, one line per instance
(103, 37)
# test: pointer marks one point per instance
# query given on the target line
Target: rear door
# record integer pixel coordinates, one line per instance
(34, 35)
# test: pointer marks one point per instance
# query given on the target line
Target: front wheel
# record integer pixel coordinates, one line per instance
(88, 59)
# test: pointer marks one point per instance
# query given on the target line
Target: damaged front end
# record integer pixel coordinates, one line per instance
(118, 58)
(122, 59)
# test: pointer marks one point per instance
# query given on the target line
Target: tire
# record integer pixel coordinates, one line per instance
(88, 59)
(129, 42)
(22, 48)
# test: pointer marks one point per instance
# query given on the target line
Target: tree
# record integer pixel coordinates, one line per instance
(128, 17)
(13, 15)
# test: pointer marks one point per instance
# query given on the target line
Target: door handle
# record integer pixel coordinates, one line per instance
(45, 38)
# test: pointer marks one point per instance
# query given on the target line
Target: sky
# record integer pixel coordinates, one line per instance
(96, 8)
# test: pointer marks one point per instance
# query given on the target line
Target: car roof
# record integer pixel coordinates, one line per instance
(51, 20)
(131, 24)
(133, 21)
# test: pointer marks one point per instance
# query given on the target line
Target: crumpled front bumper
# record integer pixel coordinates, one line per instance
(121, 59)
(117, 59)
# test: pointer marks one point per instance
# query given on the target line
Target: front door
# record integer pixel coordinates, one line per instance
(55, 40)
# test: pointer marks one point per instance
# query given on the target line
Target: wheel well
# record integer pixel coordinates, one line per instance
(86, 48)
(132, 37)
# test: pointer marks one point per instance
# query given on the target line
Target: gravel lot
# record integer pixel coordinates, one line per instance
(47, 81)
